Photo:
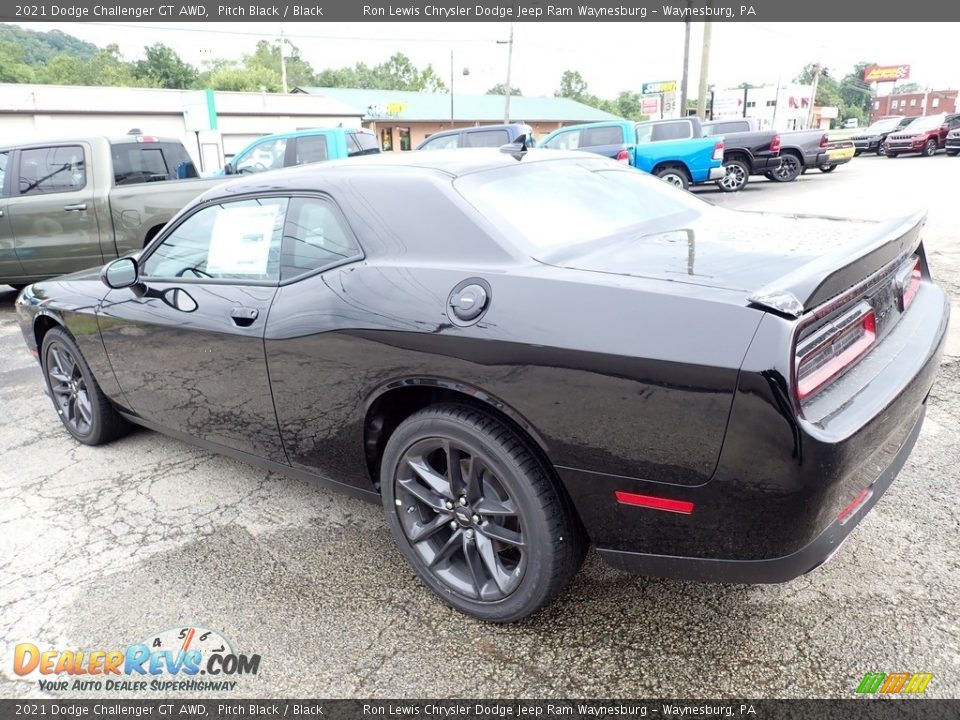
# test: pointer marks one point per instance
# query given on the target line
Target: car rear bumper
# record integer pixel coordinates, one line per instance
(771, 510)
(769, 570)
(717, 173)
(765, 164)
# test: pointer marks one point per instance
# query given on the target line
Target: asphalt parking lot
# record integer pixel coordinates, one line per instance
(103, 547)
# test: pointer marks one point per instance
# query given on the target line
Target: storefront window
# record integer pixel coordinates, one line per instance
(404, 138)
(386, 139)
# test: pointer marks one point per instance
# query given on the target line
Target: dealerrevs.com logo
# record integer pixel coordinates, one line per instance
(894, 683)
(189, 659)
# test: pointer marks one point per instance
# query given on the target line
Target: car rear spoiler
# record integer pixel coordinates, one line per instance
(835, 272)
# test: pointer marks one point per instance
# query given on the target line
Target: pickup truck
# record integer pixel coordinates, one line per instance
(925, 135)
(282, 150)
(747, 150)
(665, 150)
(67, 205)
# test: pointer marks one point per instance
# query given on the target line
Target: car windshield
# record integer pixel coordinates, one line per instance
(553, 205)
(922, 124)
(884, 125)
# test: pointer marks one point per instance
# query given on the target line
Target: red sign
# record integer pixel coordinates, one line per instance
(886, 73)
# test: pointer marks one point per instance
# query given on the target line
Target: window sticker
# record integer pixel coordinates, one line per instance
(241, 240)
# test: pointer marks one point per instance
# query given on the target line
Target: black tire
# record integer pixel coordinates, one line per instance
(791, 166)
(84, 410)
(674, 175)
(892, 155)
(738, 174)
(828, 168)
(856, 153)
(501, 490)
(930, 149)
(882, 147)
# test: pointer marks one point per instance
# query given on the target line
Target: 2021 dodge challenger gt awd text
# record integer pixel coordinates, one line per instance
(519, 354)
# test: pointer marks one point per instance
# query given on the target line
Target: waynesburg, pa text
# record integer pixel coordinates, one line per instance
(586, 12)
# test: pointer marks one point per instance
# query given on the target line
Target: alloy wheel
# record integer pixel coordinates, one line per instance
(789, 168)
(69, 389)
(673, 178)
(460, 520)
(734, 179)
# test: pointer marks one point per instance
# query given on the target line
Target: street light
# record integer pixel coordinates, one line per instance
(466, 71)
(506, 103)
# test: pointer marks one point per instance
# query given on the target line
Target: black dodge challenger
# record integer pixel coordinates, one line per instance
(520, 353)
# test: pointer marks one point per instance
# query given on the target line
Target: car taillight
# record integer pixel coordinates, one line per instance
(828, 352)
(775, 144)
(718, 151)
(824, 141)
(623, 156)
(908, 282)
(146, 138)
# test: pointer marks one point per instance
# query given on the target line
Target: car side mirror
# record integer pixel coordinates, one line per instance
(229, 169)
(120, 273)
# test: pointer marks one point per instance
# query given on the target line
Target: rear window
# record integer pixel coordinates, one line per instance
(725, 128)
(135, 163)
(311, 149)
(362, 144)
(551, 205)
(672, 131)
(486, 138)
(592, 137)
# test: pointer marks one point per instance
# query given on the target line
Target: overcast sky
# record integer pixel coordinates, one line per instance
(610, 56)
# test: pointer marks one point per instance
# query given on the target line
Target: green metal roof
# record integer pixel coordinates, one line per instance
(435, 107)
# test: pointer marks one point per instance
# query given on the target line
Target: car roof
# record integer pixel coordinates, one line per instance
(451, 163)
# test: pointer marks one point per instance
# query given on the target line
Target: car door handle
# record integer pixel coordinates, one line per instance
(75, 208)
(244, 316)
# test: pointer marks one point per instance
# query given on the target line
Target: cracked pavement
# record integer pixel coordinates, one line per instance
(100, 547)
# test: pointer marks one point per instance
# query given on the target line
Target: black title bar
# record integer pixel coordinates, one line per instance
(483, 10)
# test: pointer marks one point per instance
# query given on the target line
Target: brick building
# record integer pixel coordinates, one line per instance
(915, 104)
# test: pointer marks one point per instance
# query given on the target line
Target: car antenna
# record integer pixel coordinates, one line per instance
(512, 149)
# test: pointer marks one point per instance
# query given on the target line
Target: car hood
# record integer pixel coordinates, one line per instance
(758, 254)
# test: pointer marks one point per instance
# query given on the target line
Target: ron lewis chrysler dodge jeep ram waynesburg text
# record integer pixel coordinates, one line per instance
(521, 353)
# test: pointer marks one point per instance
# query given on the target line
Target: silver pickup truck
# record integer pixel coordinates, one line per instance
(72, 204)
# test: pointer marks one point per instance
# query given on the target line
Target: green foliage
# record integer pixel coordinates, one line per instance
(851, 95)
(397, 73)
(106, 67)
(573, 86)
(12, 67)
(501, 89)
(164, 68)
(626, 105)
(37, 48)
(908, 87)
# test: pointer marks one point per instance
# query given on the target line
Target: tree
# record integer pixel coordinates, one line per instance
(572, 85)
(106, 67)
(910, 87)
(12, 67)
(501, 89)
(164, 68)
(396, 73)
(857, 94)
(266, 56)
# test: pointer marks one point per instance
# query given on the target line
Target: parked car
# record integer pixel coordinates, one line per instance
(952, 143)
(66, 205)
(839, 152)
(873, 138)
(517, 353)
(489, 136)
(925, 135)
(282, 150)
(667, 150)
(747, 150)
(851, 123)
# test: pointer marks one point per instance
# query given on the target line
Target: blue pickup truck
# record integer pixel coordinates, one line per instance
(273, 152)
(667, 149)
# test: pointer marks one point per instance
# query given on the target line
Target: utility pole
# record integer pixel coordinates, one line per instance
(509, 44)
(817, 69)
(283, 61)
(685, 78)
(704, 70)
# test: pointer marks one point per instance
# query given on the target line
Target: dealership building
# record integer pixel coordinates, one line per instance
(784, 107)
(403, 119)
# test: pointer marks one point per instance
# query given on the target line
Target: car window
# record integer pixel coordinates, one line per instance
(672, 131)
(362, 144)
(486, 138)
(235, 240)
(314, 237)
(593, 137)
(3, 170)
(311, 149)
(444, 142)
(266, 155)
(135, 163)
(724, 128)
(52, 170)
(569, 140)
